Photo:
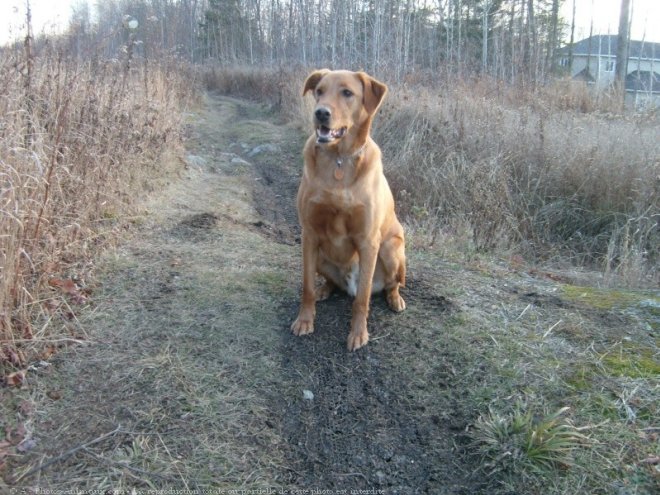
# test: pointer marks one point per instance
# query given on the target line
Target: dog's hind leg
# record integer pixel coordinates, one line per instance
(325, 291)
(392, 261)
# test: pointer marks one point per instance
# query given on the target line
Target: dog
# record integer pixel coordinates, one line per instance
(350, 233)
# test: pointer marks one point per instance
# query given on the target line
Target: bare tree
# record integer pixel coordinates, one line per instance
(513, 39)
(622, 48)
(571, 41)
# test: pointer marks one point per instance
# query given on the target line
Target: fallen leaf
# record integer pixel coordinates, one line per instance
(67, 286)
(48, 352)
(516, 261)
(70, 288)
(51, 305)
(653, 460)
(16, 379)
(26, 330)
(16, 357)
(50, 267)
(26, 408)
(54, 394)
(22, 327)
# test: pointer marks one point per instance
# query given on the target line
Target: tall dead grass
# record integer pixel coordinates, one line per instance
(78, 142)
(538, 179)
(281, 87)
(552, 173)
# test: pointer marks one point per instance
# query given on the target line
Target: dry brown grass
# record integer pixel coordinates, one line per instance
(79, 141)
(544, 182)
(281, 87)
(551, 173)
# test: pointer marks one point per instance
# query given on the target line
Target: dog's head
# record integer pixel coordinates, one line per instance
(345, 103)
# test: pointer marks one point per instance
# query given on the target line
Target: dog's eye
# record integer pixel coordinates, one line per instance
(347, 93)
(319, 92)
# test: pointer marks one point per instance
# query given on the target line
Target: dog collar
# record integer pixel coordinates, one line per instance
(340, 160)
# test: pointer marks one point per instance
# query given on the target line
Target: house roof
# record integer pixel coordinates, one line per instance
(606, 44)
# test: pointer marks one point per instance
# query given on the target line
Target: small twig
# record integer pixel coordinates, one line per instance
(524, 311)
(122, 465)
(68, 454)
(360, 475)
(551, 329)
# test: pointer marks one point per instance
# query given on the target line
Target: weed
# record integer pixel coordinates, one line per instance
(521, 444)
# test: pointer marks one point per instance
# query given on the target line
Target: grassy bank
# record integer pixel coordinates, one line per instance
(79, 142)
(554, 384)
(548, 183)
(549, 175)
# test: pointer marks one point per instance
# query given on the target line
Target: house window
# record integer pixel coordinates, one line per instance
(563, 62)
(609, 66)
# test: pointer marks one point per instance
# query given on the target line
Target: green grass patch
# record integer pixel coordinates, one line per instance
(632, 362)
(608, 299)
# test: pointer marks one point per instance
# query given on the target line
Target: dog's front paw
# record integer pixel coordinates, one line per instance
(358, 336)
(302, 326)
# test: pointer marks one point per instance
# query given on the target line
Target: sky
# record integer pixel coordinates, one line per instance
(48, 15)
(645, 18)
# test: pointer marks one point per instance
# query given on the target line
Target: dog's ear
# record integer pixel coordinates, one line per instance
(374, 92)
(313, 79)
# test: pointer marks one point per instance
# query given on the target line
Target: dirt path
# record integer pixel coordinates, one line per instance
(189, 378)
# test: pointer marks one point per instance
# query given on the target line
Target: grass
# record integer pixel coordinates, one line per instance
(552, 175)
(193, 358)
(80, 141)
(186, 336)
(518, 442)
(561, 180)
(546, 183)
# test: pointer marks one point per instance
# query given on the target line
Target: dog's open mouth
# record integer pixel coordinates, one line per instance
(326, 135)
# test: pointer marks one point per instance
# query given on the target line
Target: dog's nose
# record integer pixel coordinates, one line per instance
(322, 114)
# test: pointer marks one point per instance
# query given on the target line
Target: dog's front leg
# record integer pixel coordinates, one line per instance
(359, 335)
(304, 324)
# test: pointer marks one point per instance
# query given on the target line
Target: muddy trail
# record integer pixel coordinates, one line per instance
(187, 377)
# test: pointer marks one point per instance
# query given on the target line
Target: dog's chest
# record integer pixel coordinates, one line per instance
(336, 215)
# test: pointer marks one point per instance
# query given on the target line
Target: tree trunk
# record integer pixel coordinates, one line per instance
(572, 41)
(622, 50)
(552, 42)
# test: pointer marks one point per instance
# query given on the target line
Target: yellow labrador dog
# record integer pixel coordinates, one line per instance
(350, 233)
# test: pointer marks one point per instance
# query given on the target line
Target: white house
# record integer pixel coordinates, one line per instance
(594, 61)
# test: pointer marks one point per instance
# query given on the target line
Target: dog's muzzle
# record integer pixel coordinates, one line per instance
(326, 135)
(324, 132)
